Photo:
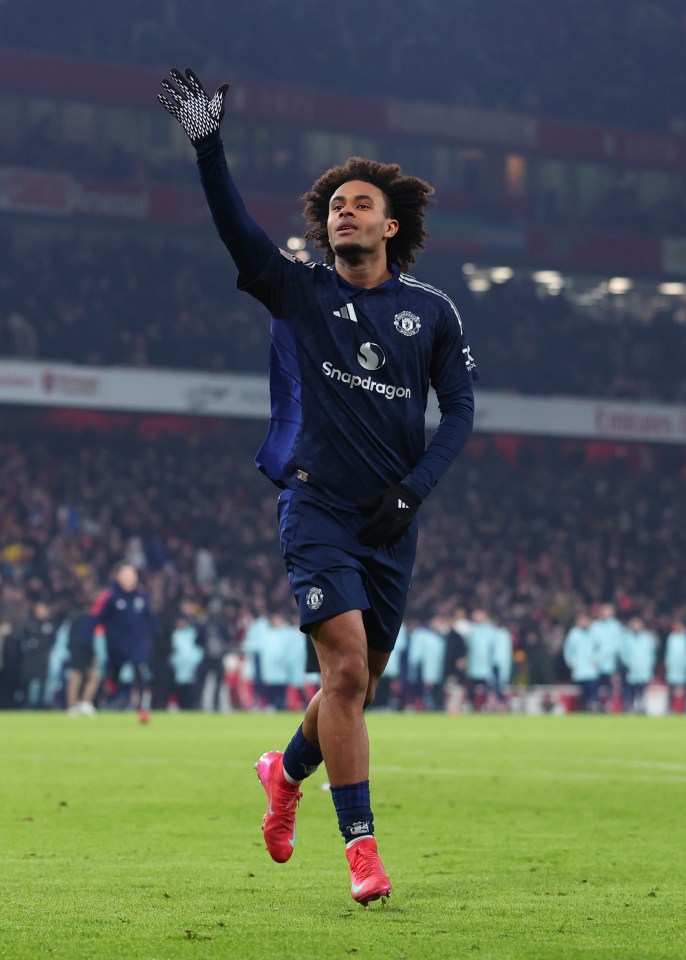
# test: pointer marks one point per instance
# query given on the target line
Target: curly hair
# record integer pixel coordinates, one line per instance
(406, 198)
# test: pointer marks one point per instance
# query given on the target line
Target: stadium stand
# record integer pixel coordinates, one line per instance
(599, 64)
(530, 530)
(535, 532)
(114, 303)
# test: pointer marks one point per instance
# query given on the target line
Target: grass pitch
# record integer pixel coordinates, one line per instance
(506, 838)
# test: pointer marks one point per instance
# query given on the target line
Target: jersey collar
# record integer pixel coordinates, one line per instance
(389, 284)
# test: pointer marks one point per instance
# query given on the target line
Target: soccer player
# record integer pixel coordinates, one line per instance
(37, 641)
(639, 654)
(675, 665)
(607, 632)
(124, 612)
(501, 664)
(427, 654)
(356, 342)
(389, 690)
(185, 659)
(479, 640)
(84, 672)
(580, 652)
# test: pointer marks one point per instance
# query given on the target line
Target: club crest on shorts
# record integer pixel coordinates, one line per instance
(314, 598)
(407, 323)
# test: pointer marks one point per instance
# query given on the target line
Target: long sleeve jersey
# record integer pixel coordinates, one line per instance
(350, 367)
(129, 624)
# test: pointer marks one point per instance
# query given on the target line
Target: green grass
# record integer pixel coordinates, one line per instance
(506, 838)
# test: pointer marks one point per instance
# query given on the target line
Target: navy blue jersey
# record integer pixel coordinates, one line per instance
(350, 367)
(128, 622)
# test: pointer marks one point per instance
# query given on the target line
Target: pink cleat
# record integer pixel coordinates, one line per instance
(278, 823)
(368, 879)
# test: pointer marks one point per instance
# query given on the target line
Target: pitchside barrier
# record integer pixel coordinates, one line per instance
(557, 699)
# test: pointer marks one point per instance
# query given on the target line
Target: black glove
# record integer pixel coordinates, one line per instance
(199, 116)
(394, 510)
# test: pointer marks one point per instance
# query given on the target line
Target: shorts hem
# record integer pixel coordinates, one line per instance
(306, 625)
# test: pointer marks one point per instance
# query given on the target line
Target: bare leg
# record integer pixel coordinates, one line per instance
(334, 718)
(91, 686)
(310, 719)
(73, 687)
(377, 664)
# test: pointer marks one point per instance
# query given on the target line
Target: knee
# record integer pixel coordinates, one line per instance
(348, 678)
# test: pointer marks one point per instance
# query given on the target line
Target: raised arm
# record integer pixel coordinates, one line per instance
(201, 118)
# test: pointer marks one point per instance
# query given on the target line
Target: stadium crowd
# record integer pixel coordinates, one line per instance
(145, 305)
(621, 202)
(536, 534)
(520, 551)
(616, 63)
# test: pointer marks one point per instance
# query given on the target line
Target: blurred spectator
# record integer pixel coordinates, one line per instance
(186, 657)
(480, 637)
(675, 666)
(639, 656)
(389, 690)
(502, 653)
(456, 650)
(277, 664)
(256, 646)
(582, 657)
(123, 611)
(37, 639)
(85, 673)
(607, 633)
(295, 650)
(106, 303)
(218, 635)
(426, 659)
(531, 530)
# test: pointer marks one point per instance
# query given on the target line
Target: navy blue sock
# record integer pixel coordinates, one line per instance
(355, 817)
(301, 758)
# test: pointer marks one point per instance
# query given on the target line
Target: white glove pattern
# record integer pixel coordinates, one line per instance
(199, 116)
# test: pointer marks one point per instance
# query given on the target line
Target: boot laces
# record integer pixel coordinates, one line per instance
(366, 863)
(286, 800)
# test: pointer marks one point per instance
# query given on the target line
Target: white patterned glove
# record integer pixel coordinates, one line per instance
(199, 116)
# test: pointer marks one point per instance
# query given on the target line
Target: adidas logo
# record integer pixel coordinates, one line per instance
(346, 312)
(402, 505)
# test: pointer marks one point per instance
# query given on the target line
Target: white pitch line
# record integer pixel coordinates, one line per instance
(529, 772)
(647, 764)
(459, 772)
(547, 758)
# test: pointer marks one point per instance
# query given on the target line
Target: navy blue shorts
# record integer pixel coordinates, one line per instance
(331, 572)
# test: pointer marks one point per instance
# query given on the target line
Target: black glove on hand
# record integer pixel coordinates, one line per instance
(394, 510)
(199, 116)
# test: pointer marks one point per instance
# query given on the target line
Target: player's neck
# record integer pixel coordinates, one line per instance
(367, 271)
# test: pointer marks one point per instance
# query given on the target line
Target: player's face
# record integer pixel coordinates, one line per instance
(127, 578)
(358, 222)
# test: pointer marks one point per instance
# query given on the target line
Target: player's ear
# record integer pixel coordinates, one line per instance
(392, 228)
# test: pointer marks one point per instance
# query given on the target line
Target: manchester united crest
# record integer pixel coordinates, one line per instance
(407, 323)
(314, 598)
